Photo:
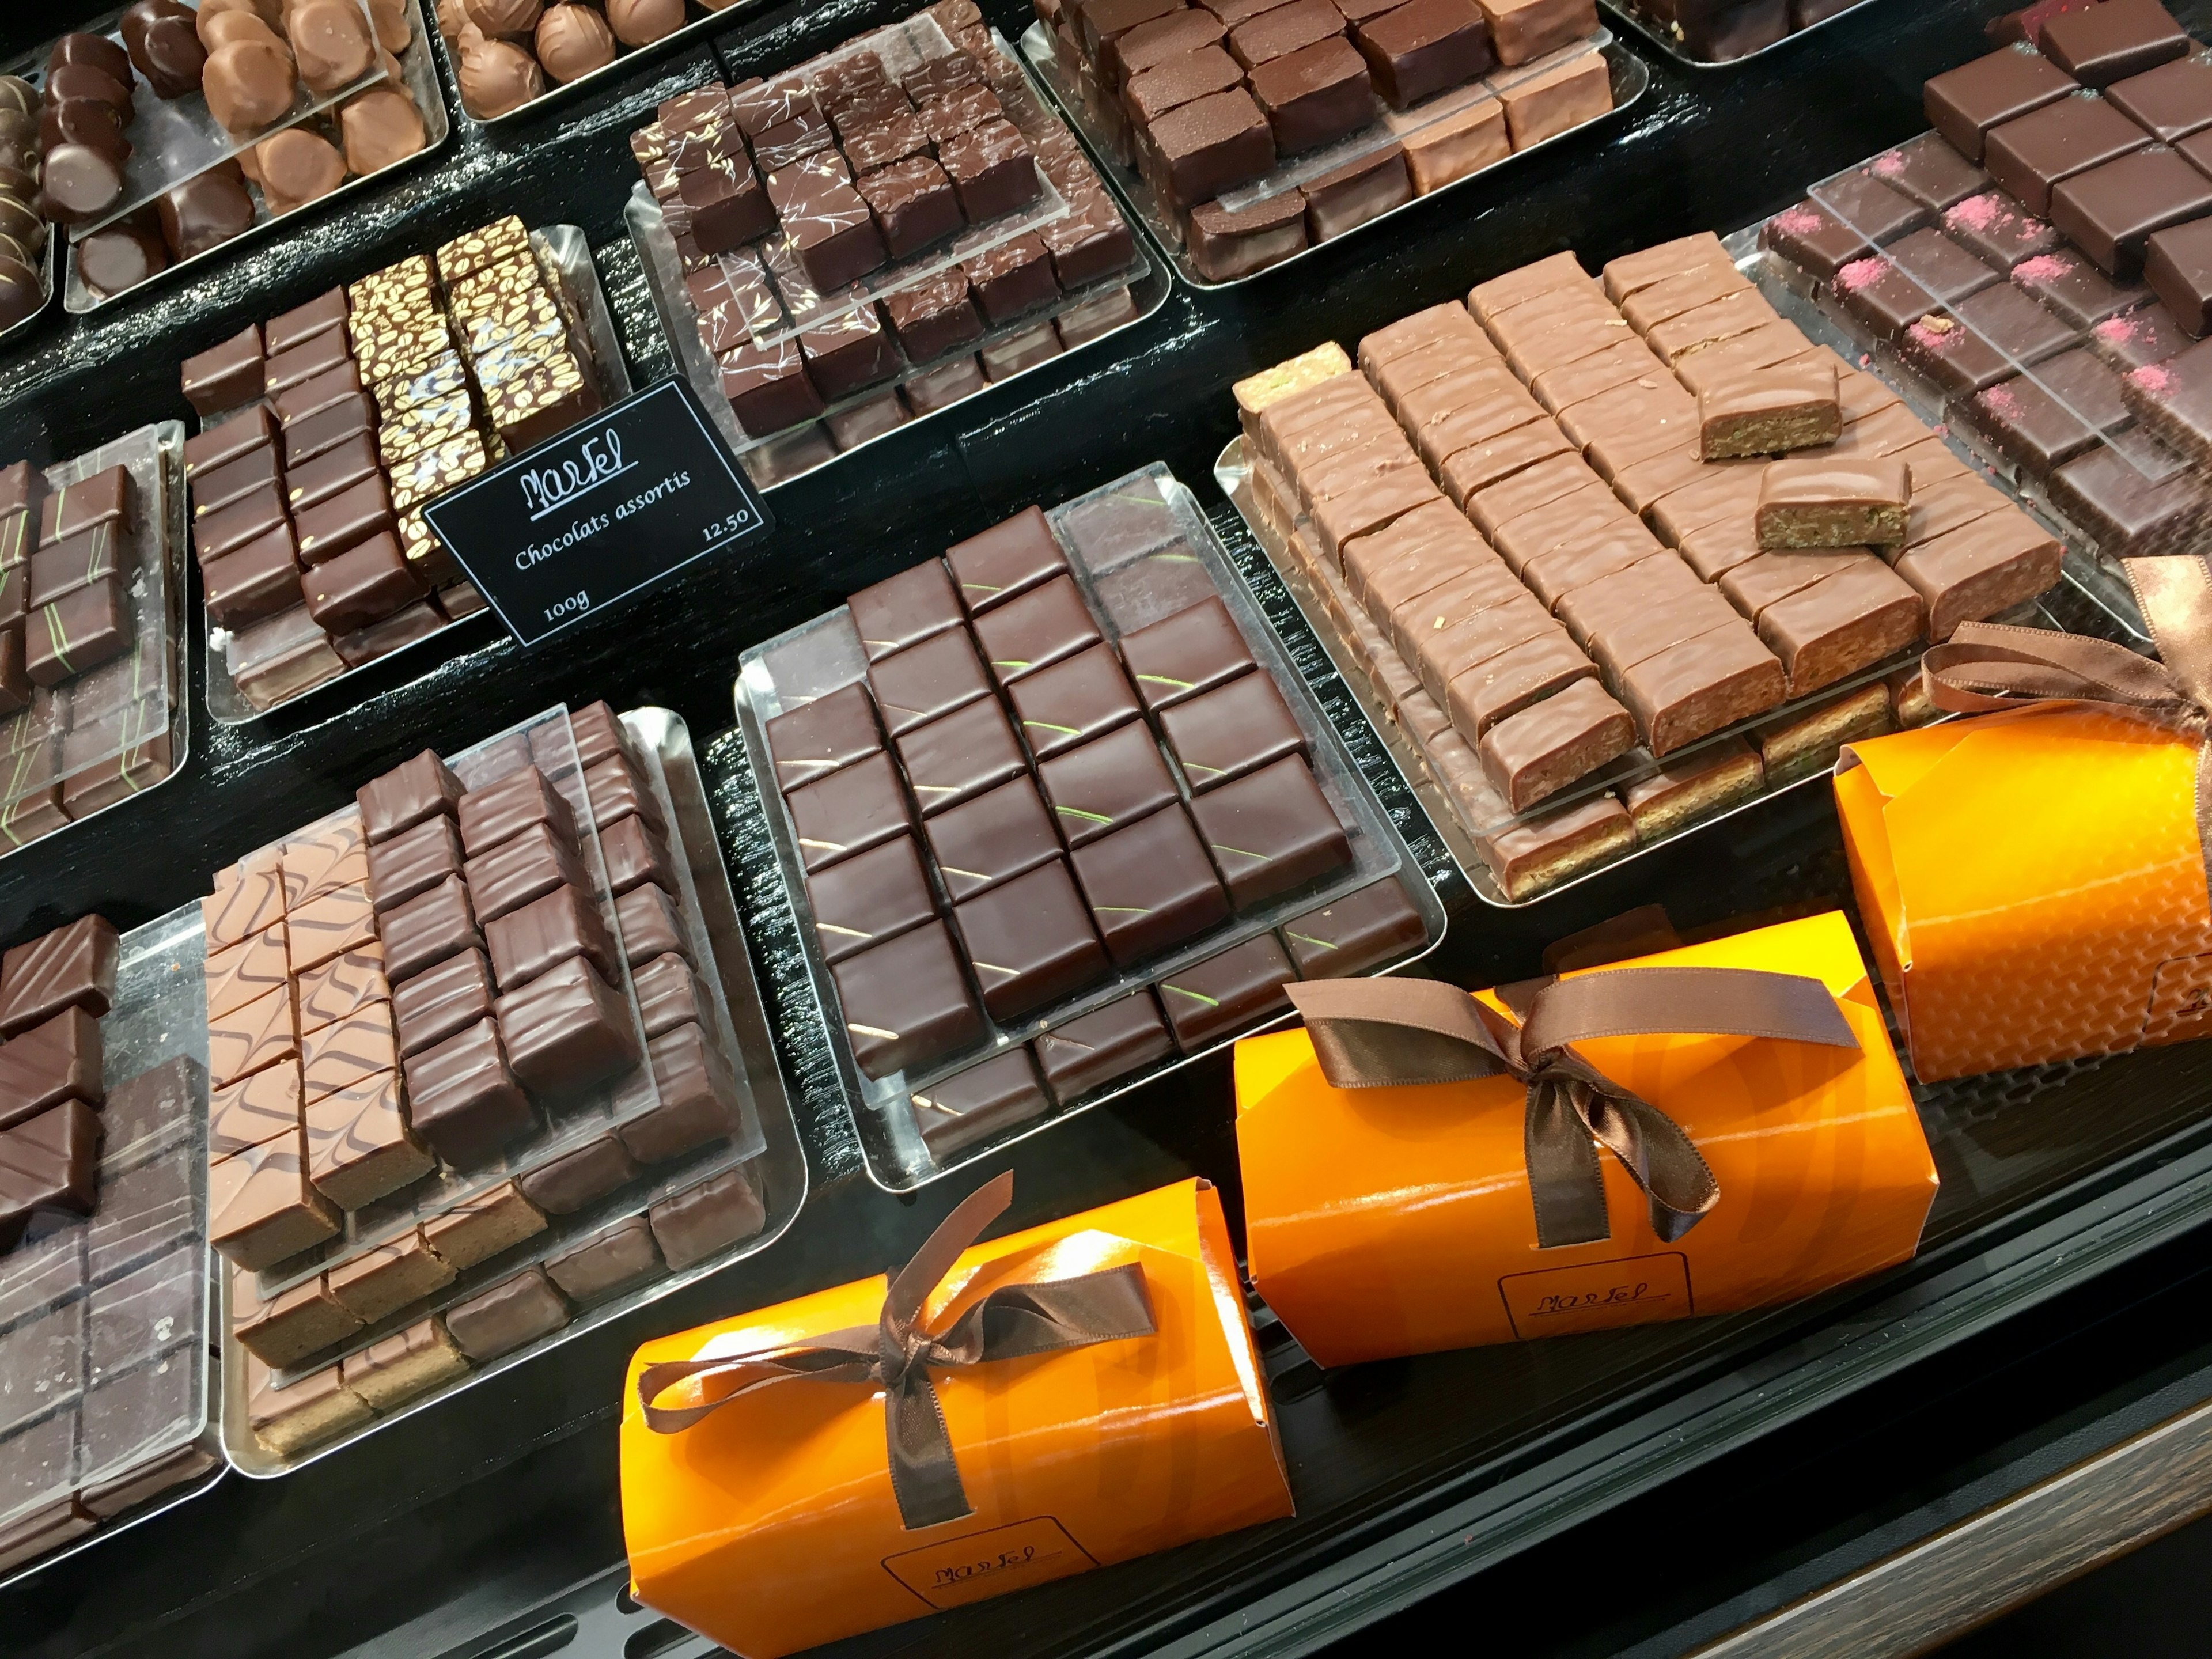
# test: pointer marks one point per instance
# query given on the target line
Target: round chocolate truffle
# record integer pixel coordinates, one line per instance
(331, 42)
(80, 184)
(83, 121)
(498, 77)
(16, 93)
(205, 212)
(299, 165)
(87, 80)
(96, 50)
(162, 37)
(389, 19)
(229, 28)
(636, 23)
(504, 19)
(20, 222)
(248, 83)
(452, 16)
(573, 41)
(21, 294)
(120, 256)
(380, 126)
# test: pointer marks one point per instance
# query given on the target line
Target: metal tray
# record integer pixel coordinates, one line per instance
(567, 248)
(159, 1013)
(1632, 79)
(421, 79)
(1655, 36)
(1233, 477)
(172, 524)
(897, 1160)
(704, 21)
(779, 1167)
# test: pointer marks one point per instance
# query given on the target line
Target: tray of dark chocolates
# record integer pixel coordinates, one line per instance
(969, 240)
(1546, 534)
(616, 1220)
(1056, 813)
(1244, 135)
(1703, 34)
(326, 430)
(104, 1379)
(320, 157)
(92, 644)
(2037, 271)
(160, 96)
(508, 58)
(30, 260)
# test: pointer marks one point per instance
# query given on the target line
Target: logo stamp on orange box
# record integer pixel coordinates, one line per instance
(990, 1563)
(1598, 1296)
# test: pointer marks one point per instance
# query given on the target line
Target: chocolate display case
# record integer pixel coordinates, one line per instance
(761, 1152)
(516, 101)
(1144, 559)
(419, 78)
(1441, 121)
(104, 1320)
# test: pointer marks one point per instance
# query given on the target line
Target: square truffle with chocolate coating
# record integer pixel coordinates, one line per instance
(1097, 787)
(954, 759)
(697, 1099)
(1028, 941)
(906, 1002)
(1005, 560)
(650, 925)
(1963, 104)
(848, 353)
(573, 1181)
(928, 680)
(511, 1315)
(1094, 1050)
(1014, 277)
(427, 929)
(934, 315)
(702, 1220)
(1421, 48)
(1236, 728)
(463, 1099)
(1355, 933)
(403, 1366)
(869, 897)
(635, 852)
(1191, 75)
(991, 170)
(1075, 700)
(496, 812)
(1930, 171)
(404, 797)
(347, 1050)
(991, 839)
(914, 204)
(1224, 246)
(1212, 145)
(1270, 831)
(1228, 992)
(562, 924)
(1282, 29)
(1314, 95)
(359, 1145)
(2107, 42)
(1149, 886)
(768, 388)
(2169, 102)
(567, 1032)
(72, 966)
(972, 1106)
(906, 608)
(817, 738)
(1035, 629)
(668, 995)
(78, 631)
(617, 1257)
(1181, 655)
(2177, 266)
(259, 1033)
(436, 1002)
(2033, 156)
(2110, 211)
(1550, 101)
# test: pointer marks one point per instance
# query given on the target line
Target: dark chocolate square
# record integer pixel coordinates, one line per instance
(1035, 629)
(2032, 156)
(914, 202)
(1270, 831)
(1227, 993)
(463, 1100)
(927, 680)
(972, 1106)
(567, 1032)
(1100, 785)
(958, 756)
(1963, 104)
(998, 835)
(817, 738)
(436, 1002)
(1149, 885)
(904, 610)
(1096, 1048)
(1234, 729)
(848, 813)
(869, 897)
(1028, 941)
(906, 1002)
(1075, 700)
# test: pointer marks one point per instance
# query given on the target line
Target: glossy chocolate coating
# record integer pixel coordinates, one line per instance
(498, 77)
(204, 212)
(622, 1255)
(1101, 786)
(46, 1166)
(462, 1098)
(79, 183)
(1028, 941)
(972, 1106)
(163, 38)
(711, 1216)
(508, 1316)
(572, 40)
(1227, 992)
(71, 967)
(434, 1003)
(248, 84)
(496, 812)
(567, 1030)
(427, 929)
(534, 936)
(574, 1180)
(1093, 1050)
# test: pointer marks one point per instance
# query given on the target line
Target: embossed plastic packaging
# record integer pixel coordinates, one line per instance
(2080, 926)
(1400, 1217)
(1079, 1394)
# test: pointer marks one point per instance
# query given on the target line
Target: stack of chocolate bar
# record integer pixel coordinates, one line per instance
(2045, 258)
(87, 669)
(857, 167)
(418, 983)
(341, 419)
(1205, 100)
(1012, 808)
(103, 1381)
(103, 1391)
(1535, 518)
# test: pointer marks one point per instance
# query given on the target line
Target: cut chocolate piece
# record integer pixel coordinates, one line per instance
(2178, 266)
(497, 811)
(1230, 993)
(261, 1208)
(427, 929)
(705, 1219)
(284, 1330)
(1314, 95)
(1224, 246)
(412, 862)
(1769, 410)
(404, 1367)
(511, 1315)
(906, 1002)
(874, 896)
(971, 1106)
(377, 1283)
(1820, 502)
(1421, 48)
(345, 1051)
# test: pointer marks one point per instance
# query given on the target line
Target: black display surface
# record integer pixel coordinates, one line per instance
(616, 504)
(423, 1536)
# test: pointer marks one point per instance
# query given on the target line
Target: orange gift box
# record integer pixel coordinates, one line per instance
(1401, 1220)
(2033, 885)
(772, 1523)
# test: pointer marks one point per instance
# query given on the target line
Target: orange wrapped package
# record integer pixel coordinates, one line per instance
(2033, 880)
(995, 1416)
(1427, 1169)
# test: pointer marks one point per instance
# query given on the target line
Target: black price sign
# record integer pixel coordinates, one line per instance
(613, 505)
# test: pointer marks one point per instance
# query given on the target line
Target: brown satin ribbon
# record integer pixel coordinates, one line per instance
(1371, 1033)
(897, 1355)
(1986, 666)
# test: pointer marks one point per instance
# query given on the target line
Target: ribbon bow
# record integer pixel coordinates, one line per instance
(1370, 1033)
(896, 1354)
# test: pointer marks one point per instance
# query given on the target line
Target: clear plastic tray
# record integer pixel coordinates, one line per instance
(1114, 538)
(137, 696)
(768, 1145)
(1655, 35)
(416, 70)
(1631, 78)
(566, 247)
(117, 1303)
(174, 139)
